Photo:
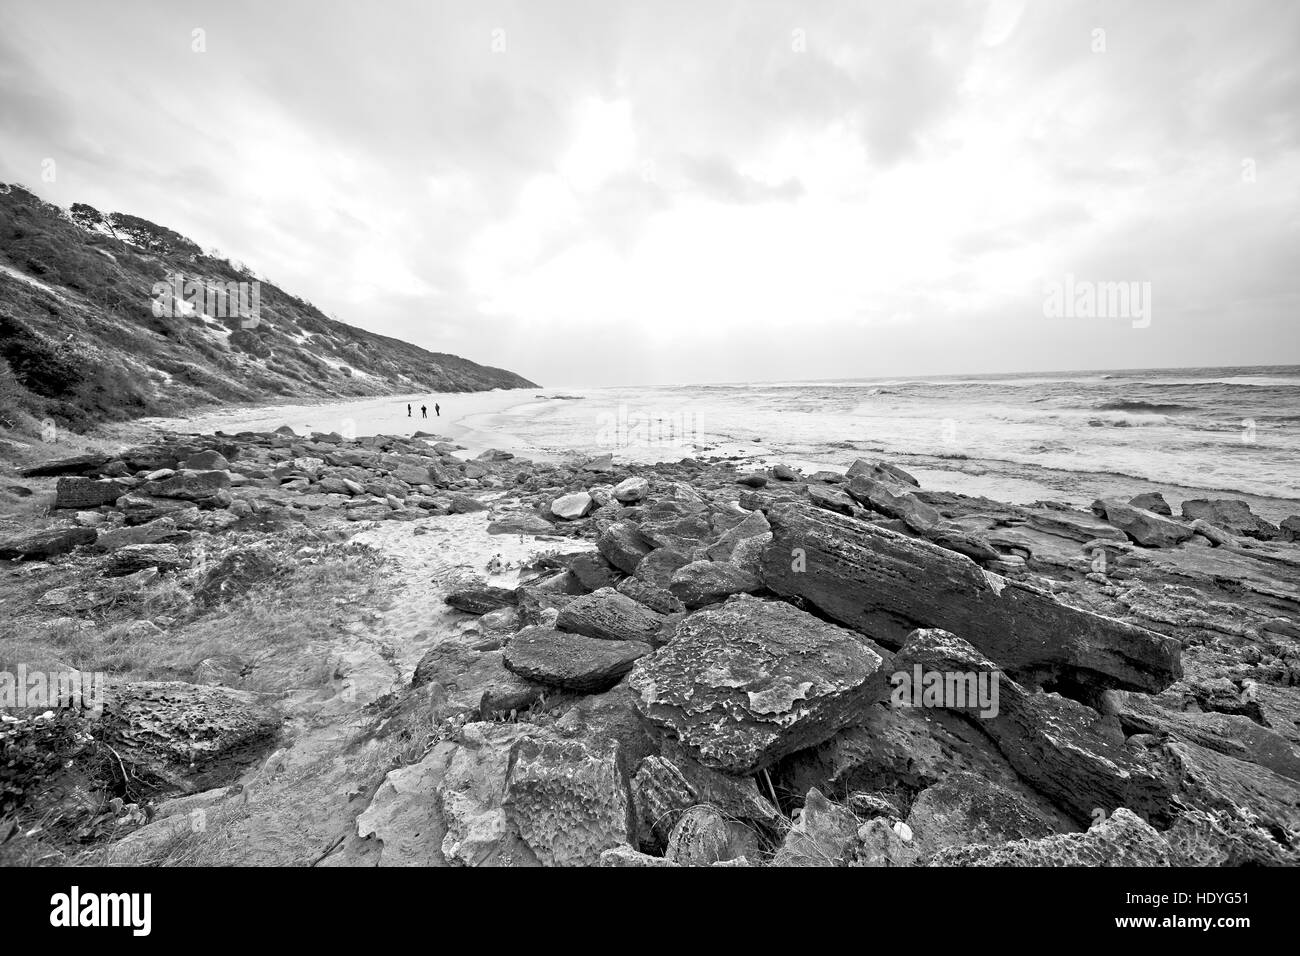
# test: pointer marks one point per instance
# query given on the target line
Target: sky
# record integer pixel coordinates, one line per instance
(603, 192)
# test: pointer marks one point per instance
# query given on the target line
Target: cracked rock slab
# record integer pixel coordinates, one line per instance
(746, 683)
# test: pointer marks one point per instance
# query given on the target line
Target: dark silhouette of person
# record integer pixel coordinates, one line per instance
(424, 411)
(437, 409)
(408, 409)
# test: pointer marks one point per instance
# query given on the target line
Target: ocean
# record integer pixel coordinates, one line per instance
(1021, 437)
(1068, 436)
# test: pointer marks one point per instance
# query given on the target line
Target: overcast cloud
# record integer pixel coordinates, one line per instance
(604, 192)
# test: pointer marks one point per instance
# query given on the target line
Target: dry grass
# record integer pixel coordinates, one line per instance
(183, 845)
(280, 632)
(269, 629)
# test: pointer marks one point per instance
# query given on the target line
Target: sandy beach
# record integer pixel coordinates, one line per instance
(370, 416)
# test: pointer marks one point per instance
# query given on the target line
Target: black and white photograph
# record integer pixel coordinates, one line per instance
(649, 434)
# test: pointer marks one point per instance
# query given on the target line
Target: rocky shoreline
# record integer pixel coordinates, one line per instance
(690, 663)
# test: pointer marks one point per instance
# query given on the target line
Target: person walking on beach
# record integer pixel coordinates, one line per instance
(437, 409)
(424, 411)
(408, 409)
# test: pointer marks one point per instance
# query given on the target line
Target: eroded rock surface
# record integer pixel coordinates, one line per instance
(746, 683)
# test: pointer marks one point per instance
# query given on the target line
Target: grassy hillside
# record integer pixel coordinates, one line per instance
(81, 343)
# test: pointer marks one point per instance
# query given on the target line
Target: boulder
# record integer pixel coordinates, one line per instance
(681, 527)
(164, 530)
(464, 504)
(188, 737)
(198, 486)
(609, 716)
(209, 460)
(1234, 735)
(1290, 529)
(824, 834)
(1215, 535)
(75, 492)
(1144, 527)
(623, 545)
(572, 507)
(1066, 750)
(832, 499)
(886, 584)
(138, 509)
(152, 457)
(39, 545)
(1232, 515)
(967, 808)
(892, 753)
(655, 598)
(1121, 839)
(660, 565)
(412, 474)
(593, 571)
(881, 471)
(569, 802)
(307, 465)
(744, 684)
(707, 582)
(571, 661)
(754, 525)
(975, 546)
(477, 683)
(631, 490)
(480, 598)
(236, 573)
(1203, 838)
(136, 557)
(1152, 501)
(85, 465)
(666, 787)
(612, 616)
(520, 524)
(703, 835)
(1215, 782)
(890, 499)
(448, 809)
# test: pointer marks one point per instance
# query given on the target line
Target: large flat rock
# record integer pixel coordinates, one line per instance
(746, 683)
(886, 585)
(571, 661)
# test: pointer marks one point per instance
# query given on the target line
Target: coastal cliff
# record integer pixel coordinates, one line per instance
(108, 317)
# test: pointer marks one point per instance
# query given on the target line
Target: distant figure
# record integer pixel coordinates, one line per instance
(424, 411)
(437, 409)
(408, 409)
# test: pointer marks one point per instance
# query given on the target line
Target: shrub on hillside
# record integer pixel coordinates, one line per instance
(39, 365)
